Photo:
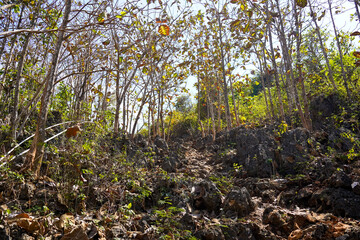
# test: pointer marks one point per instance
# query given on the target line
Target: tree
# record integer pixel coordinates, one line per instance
(35, 155)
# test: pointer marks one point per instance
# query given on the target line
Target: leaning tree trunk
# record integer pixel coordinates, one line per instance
(34, 157)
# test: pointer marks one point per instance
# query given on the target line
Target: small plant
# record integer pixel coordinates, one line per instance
(168, 221)
(282, 128)
(224, 183)
(237, 168)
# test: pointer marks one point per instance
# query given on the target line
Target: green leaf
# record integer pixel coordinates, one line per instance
(122, 14)
(301, 3)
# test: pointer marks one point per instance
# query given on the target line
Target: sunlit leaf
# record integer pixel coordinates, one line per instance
(122, 14)
(246, 29)
(234, 23)
(322, 15)
(164, 30)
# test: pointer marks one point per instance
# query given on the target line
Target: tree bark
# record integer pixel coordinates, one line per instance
(226, 94)
(278, 89)
(35, 155)
(340, 52)
(307, 117)
(317, 30)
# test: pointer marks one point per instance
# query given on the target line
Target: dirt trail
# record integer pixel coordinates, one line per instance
(199, 163)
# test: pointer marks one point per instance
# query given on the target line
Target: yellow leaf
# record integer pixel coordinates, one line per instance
(164, 30)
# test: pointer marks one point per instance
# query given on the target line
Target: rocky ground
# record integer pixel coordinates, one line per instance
(253, 182)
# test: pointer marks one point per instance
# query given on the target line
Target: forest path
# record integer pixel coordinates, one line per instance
(199, 163)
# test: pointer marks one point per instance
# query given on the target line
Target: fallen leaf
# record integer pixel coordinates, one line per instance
(77, 233)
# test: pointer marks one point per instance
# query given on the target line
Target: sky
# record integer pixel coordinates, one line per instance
(343, 21)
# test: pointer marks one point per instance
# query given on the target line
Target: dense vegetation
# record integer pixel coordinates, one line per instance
(95, 97)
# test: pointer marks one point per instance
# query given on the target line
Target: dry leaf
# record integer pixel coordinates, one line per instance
(164, 30)
(356, 54)
(72, 131)
(29, 225)
(356, 33)
(77, 233)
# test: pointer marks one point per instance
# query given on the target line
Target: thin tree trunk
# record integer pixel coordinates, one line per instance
(211, 105)
(357, 9)
(277, 83)
(262, 76)
(219, 109)
(12, 44)
(234, 102)
(340, 52)
(36, 152)
(299, 67)
(226, 94)
(199, 107)
(286, 61)
(322, 46)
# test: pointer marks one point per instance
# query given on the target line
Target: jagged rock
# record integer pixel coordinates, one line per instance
(27, 191)
(356, 187)
(317, 231)
(201, 143)
(4, 233)
(340, 179)
(339, 201)
(255, 152)
(352, 233)
(206, 196)
(141, 141)
(171, 163)
(24, 236)
(294, 151)
(262, 156)
(321, 169)
(238, 201)
(273, 217)
(160, 143)
(339, 139)
(213, 233)
(268, 196)
(322, 107)
(240, 231)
